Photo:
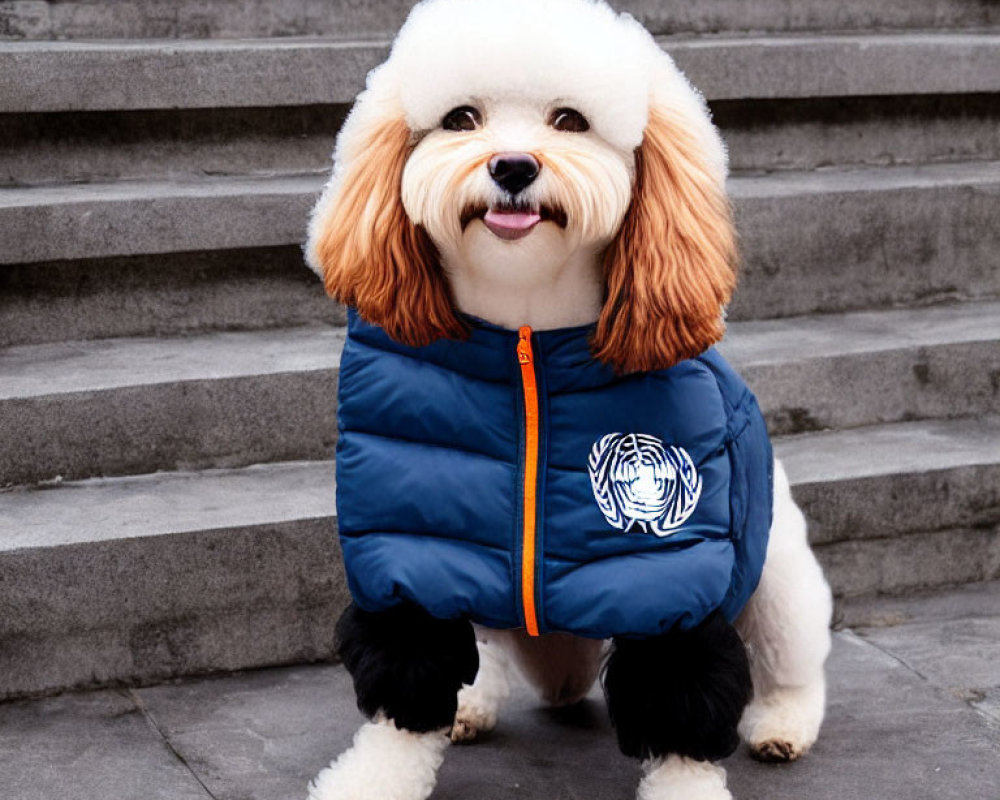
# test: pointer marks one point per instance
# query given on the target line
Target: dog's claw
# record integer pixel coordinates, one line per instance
(782, 725)
(464, 732)
(775, 751)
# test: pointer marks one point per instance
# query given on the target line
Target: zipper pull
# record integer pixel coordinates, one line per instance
(524, 345)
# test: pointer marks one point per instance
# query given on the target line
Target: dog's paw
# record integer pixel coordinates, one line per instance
(776, 750)
(473, 718)
(679, 778)
(384, 763)
(464, 731)
(784, 724)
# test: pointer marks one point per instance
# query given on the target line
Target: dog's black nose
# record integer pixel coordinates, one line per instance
(512, 172)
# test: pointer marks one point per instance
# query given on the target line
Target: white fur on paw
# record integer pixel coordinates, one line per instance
(784, 724)
(384, 763)
(473, 718)
(679, 778)
(479, 704)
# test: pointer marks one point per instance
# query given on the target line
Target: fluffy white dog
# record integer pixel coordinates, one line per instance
(543, 163)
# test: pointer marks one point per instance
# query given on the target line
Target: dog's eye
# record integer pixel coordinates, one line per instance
(569, 119)
(463, 118)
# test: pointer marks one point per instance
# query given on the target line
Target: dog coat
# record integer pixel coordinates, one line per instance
(514, 480)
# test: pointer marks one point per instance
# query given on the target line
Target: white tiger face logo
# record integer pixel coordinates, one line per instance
(639, 481)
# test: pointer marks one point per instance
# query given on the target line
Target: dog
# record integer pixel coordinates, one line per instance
(527, 219)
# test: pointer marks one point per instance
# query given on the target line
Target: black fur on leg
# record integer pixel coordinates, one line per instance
(682, 692)
(407, 664)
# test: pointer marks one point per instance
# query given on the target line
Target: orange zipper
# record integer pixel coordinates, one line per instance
(526, 359)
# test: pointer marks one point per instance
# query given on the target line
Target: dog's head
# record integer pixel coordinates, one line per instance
(505, 138)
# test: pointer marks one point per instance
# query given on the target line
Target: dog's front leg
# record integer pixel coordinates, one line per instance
(407, 668)
(675, 701)
(383, 763)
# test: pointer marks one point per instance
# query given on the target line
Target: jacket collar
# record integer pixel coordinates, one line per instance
(489, 353)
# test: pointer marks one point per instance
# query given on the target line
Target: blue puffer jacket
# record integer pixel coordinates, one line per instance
(512, 479)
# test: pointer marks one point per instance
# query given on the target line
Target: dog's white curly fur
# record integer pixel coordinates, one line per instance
(581, 52)
(384, 763)
(679, 778)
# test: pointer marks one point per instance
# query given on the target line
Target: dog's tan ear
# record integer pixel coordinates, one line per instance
(372, 256)
(672, 266)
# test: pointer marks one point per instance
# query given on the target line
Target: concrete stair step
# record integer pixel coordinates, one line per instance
(833, 240)
(128, 406)
(167, 74)
(50, 19)
(921, 475)
(166, 294)
(866, 368)
(178, 144)
(187, 19)
(806, 133)
(146, 577)
(903, 506)
(97, 220)
(678, 16)
(837, 240)
(227, 399)
(183, 109)
(184, 144)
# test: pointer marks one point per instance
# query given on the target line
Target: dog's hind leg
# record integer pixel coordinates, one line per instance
(786, 626)
(407, 668)
(562, 668)
(675, 701)
(479, 704)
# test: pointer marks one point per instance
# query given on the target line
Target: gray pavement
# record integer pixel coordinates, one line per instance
(913, 713)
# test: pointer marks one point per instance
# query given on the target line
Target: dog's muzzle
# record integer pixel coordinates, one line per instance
(513, 218)
(514, 172)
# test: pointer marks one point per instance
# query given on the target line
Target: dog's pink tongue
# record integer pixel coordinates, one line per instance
(511, 224)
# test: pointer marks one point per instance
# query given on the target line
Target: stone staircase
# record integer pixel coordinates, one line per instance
(168, 366)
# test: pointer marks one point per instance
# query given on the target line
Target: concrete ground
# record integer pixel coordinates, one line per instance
(914, 712)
